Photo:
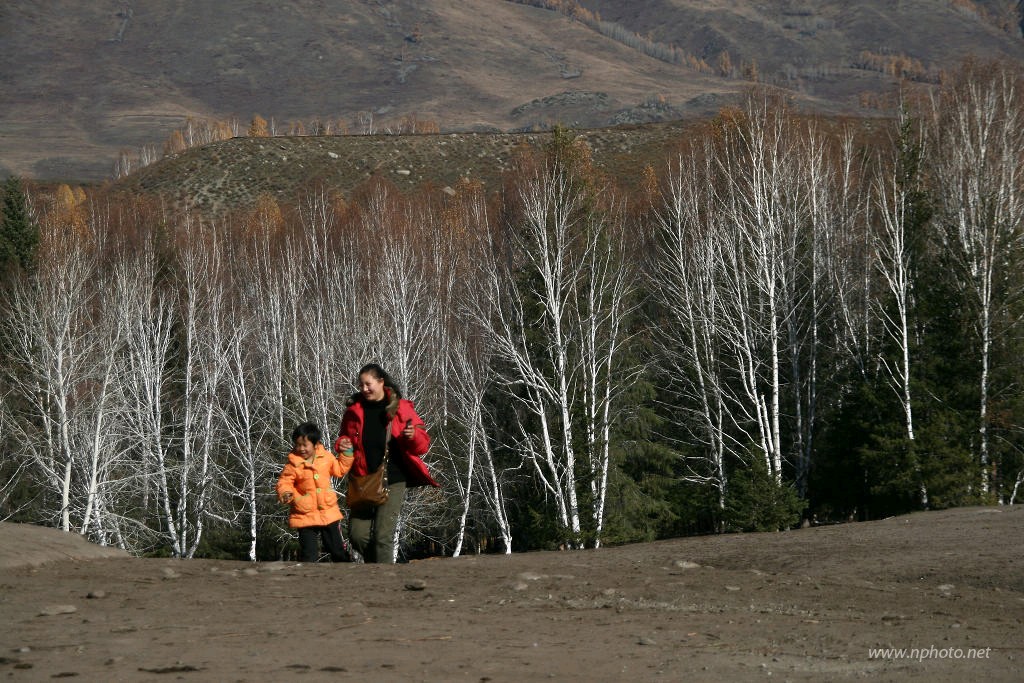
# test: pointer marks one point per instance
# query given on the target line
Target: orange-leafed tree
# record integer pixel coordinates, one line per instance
(725, 64)
(258, 127)
(175, 143)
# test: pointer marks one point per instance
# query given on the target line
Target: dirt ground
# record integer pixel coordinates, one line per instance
(807, 605)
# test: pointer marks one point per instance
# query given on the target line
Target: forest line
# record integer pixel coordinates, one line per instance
(786, 319)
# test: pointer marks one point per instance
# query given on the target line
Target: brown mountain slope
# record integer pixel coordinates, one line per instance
(74, 95)
(793, 38)
(83, 81)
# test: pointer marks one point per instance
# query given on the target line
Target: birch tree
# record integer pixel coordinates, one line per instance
(472, 373)
(253, 409)
(685, 281)
(484, 481)
(149, 331)
(754, 232)
(202, 301)
(537, 375)
(837, 332)
(401, 308)
(978, 170)
(249, 423)
(893, 245)
(764, 209)
(106, 487)
(63, 346)
(557, 327)
(52, 349)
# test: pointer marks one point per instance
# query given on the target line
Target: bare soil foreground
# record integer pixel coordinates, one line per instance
(811, 605)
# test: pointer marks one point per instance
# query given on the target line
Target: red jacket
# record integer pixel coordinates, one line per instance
(407, 452)
(314, 502)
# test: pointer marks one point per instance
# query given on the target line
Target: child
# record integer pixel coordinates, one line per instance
(305, 485)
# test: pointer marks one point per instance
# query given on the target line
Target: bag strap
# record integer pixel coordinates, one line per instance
(384, 462)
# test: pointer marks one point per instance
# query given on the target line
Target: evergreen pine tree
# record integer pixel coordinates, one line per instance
(19, 234)
(756, 502)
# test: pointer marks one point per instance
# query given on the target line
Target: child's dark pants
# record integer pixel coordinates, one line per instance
(309, 543)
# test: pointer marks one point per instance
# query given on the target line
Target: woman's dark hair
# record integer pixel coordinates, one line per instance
(377, 371)
(308, 430)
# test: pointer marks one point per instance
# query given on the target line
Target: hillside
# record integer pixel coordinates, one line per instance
(819, 46)
(80, 95)
(807, 605)
(85, 81)
(232, 173)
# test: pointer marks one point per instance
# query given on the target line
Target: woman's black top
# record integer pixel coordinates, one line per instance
(375, 430)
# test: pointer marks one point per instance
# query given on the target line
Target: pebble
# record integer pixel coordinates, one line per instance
(53, 610)
(686, 564)
(415, 585)
(96, 595)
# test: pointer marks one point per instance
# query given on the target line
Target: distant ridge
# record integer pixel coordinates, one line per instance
(84, 82)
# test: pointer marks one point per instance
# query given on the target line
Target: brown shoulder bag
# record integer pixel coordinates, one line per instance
(370, 490)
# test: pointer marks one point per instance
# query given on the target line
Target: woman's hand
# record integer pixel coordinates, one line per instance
(343, 444)
(409, 430)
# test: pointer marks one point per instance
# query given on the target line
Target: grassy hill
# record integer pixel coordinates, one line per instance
(83, 81)
(232, 173)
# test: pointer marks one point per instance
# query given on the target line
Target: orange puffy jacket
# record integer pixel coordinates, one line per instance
(314, 502)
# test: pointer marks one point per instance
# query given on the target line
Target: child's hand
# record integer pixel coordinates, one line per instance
(343, 444)
(409, 430)
(287, 498)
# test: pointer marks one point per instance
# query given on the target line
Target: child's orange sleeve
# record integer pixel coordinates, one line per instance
(342, 465)
(286, 482)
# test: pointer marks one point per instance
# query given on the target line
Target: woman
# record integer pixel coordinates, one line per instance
(375, 410)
